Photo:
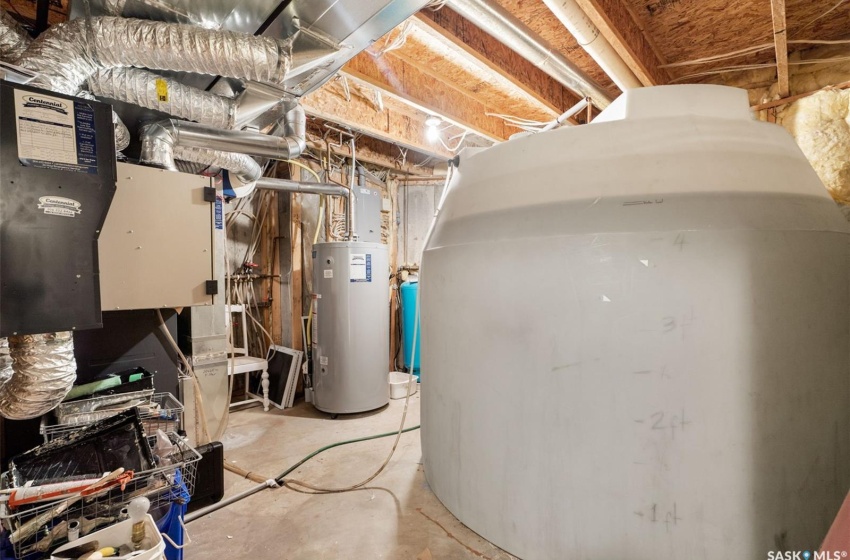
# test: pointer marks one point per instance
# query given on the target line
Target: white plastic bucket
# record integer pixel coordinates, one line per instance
(398, 384)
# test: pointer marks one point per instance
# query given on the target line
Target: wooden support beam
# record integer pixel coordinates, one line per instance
(619, 27)
(295, 280)
(780, 38)
(274, 270)
(499, 58)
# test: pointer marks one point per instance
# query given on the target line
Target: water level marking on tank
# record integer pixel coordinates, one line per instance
(664, 422)
(660, 373)
(642, 202)
(654, 514)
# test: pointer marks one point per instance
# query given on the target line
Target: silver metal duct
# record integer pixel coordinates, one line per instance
(289, 186)
(255, 100)
(494, 20)
(153, 91)
(188, 134)
(68, 53)
(160, 147)
(286, 185)
(14, 39)
(44, 371)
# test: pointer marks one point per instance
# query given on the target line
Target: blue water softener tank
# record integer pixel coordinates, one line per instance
(409, 294)
(657, 365)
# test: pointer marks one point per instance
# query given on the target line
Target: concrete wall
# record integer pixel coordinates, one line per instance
(417, 203)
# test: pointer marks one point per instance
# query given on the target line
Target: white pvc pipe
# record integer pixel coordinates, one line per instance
(592, 41)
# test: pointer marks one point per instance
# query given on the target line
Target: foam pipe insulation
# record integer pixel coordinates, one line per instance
(44, 371)
(144, 88)
(820, 124)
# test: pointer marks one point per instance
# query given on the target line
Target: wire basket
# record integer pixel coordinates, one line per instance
(173, 481)
(163, 412)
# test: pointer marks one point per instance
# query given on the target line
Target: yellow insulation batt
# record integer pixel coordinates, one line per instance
(821, 127)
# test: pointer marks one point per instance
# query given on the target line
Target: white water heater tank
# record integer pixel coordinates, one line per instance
(635, 338)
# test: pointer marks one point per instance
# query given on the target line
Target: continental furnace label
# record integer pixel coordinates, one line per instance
(59, 206)
(55, 133)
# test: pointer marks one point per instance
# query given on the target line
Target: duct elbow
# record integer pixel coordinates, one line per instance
(295, 129)
(158, 140)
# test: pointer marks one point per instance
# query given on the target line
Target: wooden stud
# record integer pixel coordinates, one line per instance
(296, 280)
(616, 24)
(793, 98)
(780, 39)
(275, 280)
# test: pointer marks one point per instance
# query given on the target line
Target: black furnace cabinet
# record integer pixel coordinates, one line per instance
(57, 179)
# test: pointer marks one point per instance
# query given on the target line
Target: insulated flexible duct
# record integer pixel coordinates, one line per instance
(69, 53)
(14, 40)
(150, 90)
(161, 147)
(169, 140)
(44, 371)
(243, 167)
(5, 361)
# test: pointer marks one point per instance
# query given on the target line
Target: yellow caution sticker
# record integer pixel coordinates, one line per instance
(162, 90)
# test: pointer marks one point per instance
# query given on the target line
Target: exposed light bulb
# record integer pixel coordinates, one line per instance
(431, 133)
(137, 509)
(433, 121)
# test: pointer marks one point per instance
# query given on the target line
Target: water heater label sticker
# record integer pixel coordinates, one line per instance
(59, 206)
(329, 273)
(55, 133)
(360, 269)
(323, 361)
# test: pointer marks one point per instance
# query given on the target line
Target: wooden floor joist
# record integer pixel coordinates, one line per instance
(499, 58)
(426, 92)
(780, 38)
(393, 124)
(616, 23)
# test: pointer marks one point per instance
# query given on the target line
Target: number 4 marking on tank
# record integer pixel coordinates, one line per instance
(680, 241)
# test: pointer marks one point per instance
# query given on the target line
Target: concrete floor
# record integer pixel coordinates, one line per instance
(396, 517)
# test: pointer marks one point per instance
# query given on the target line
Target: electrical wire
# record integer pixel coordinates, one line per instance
(752, 50)
(306, 168)
(744, 67)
